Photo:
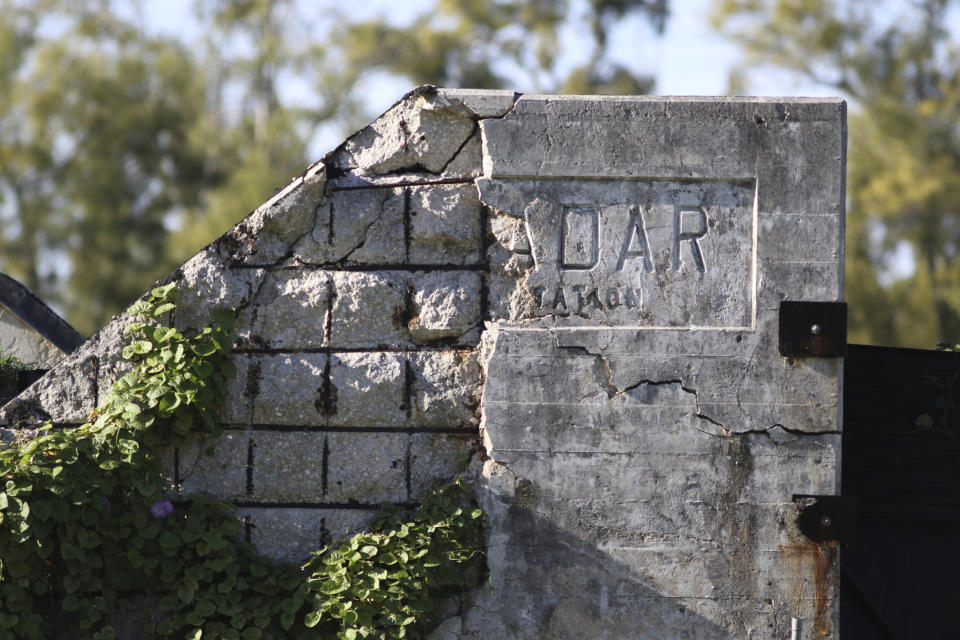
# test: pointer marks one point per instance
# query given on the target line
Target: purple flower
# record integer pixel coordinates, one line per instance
(161, 509)
(106, 501)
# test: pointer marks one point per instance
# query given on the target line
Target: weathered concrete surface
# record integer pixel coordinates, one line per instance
(574, 301)
(359, 292)
(643, 450)
(633, 252)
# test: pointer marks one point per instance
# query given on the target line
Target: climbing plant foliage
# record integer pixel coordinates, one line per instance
(10, 366)
(85, 523)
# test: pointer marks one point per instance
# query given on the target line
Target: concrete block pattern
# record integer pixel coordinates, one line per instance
(287, 534)
(288, 389)
(370, 310)
(329, 467)
(438, 456)
(289, 467)
(368, 389)
(216, 469)
(368, 468)
(375, 310)
(444, 225)
(446, 388)
(290, 311)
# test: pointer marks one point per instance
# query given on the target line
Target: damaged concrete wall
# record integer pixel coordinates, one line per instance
(571, 300)
(359, 289)
(644, 436)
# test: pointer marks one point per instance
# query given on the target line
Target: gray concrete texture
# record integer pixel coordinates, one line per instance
(574, 302)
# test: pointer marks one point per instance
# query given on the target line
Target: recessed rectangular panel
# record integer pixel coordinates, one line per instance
(635, 253)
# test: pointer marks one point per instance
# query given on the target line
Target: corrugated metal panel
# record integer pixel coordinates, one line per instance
(901, 433)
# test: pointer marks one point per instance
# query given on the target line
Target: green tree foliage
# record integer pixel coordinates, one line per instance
(259, 137)
(123, 151)
(514, 43)
(98, 146)
(900, 65)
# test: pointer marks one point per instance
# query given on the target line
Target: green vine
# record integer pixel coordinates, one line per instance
(10, 366)
(84, 523)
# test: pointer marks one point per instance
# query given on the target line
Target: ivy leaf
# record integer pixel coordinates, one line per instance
(141, 346)
(186, 591)
(330, 587)
(164, 292)
(311, 619)
(139, 307)
(133, 326)
(286, 620)
(42, 509)
(127, 447)
(70, 551)
(163, 308)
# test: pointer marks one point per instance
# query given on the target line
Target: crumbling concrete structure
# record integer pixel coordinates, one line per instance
(572, 300)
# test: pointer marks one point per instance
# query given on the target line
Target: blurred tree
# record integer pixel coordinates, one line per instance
(97, 148)
(260, 139)
(456, 43)
(122, 151)
(494, 44)
(900, 65)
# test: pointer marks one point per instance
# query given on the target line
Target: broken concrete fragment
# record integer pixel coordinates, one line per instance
(66, 397)
(482, 103)
(467, 164)
(357, 227)
(266, 236)
(206, 282)
(421, 132)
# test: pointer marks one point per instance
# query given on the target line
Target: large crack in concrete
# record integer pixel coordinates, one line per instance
(603, 373)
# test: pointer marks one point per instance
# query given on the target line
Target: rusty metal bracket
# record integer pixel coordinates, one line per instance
(825, 518)
(813, 329)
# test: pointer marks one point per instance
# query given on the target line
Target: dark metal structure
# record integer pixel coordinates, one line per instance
(22, 302)
(32, 310)
(901, 461)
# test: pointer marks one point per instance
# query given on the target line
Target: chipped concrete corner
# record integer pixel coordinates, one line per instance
(572, 300)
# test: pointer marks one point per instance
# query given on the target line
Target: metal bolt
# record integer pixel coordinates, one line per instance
(826, 521)
(815, 330)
